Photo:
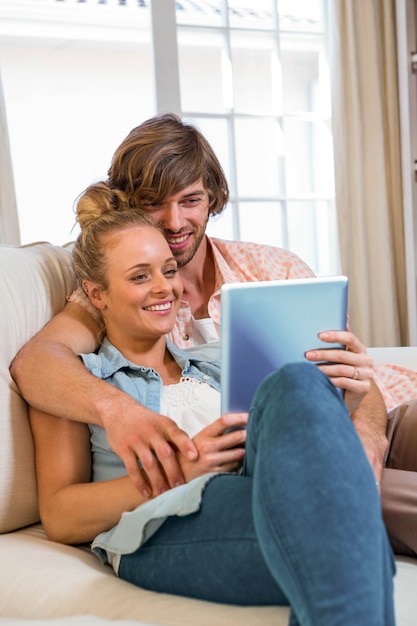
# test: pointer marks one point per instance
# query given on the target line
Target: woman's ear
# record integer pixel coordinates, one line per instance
(95, 294)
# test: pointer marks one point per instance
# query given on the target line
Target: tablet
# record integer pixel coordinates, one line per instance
(265, 325)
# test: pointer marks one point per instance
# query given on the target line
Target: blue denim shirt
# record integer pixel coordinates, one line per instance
(144, 385)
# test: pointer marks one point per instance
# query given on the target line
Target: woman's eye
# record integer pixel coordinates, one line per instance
(139, 277)
(148, 206)
(171, 272)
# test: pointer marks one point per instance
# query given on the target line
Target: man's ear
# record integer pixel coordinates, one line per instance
(95, 294)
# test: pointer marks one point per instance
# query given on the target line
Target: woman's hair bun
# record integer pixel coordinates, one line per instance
(98, 200)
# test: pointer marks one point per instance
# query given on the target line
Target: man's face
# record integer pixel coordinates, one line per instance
(183, 218)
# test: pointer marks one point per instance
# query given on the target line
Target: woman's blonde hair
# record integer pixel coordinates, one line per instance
(161, 157)
(100, 211)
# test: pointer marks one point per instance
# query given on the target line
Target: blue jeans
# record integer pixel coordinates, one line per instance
(302, 526)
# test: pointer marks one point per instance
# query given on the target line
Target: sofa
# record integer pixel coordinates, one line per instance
(42, 580)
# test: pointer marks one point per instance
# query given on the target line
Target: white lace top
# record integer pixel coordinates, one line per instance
(191, 403)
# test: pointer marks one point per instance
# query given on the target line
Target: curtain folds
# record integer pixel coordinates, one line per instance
(366, 132)
(9, 223)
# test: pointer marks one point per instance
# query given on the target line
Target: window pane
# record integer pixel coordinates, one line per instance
(216, 132)
(300, 16)
(261, 222)
(312, 230)
(200, 13)
(205, 75)
(256, 73)
(222, 226)
(308, 157)
(250, 14)
(300, 70)
(73, 90)
(259, 150)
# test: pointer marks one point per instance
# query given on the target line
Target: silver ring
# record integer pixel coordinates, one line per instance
(356, 374)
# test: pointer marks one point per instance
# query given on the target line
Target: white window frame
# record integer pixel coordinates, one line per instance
(168, 98)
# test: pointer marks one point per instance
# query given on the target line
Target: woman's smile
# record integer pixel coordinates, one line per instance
(163, 307)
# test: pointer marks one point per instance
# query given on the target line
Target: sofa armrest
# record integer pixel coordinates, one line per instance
(403, 356)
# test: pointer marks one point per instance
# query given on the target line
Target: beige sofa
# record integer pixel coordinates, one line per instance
(45, 580)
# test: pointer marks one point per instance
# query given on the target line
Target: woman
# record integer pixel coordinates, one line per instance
(299, 525)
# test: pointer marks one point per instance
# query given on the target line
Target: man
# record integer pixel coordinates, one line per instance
(168, 169)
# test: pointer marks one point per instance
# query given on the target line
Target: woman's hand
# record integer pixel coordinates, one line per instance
(221, 447)
(349, 369)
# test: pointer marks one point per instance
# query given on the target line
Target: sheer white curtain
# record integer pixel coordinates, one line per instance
(9, 224)
(363, 62)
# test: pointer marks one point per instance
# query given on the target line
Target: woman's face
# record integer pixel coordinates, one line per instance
(144, 287)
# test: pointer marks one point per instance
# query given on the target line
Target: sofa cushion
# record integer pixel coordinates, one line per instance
(46, 580)
(78, 620)
(74, 582)
(34, 282)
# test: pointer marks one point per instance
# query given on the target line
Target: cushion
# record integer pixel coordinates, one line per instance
(78, 620)
(34, 282)
(42, 580)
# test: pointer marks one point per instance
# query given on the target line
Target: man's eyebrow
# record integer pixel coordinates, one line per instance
(196, 192)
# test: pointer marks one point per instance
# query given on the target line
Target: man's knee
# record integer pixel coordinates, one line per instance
(402, 437)
(399, 507)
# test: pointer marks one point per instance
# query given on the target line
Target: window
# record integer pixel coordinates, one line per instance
(77, 76)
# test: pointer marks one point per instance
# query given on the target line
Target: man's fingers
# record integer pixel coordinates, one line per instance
(145, 471)
(149, 452)
(168, 463)
(136, 474)
(166, 449)
(183, 443)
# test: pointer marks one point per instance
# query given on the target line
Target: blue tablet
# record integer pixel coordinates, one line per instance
(267, 324)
